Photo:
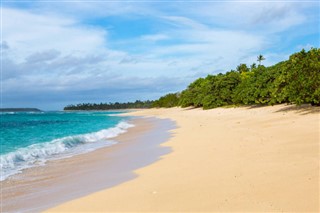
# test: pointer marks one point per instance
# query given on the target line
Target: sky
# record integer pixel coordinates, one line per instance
(55, 53)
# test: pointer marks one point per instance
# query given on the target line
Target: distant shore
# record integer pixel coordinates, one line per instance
(20, 110)
(226, 159)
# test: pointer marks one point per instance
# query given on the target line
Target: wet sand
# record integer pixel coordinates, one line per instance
(58, 181)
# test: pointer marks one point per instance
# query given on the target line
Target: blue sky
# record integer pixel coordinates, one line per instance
(55, 53)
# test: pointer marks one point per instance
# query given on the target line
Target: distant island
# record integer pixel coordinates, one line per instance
(20, 110)
(294, 81)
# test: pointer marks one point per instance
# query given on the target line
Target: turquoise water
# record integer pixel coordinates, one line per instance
(29, 139)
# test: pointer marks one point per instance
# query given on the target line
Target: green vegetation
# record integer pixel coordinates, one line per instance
(109, 106)
(295, 81)
(169, 100)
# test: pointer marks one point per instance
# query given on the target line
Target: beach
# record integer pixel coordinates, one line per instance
(160, 106)
(58, 181)
(245, 159)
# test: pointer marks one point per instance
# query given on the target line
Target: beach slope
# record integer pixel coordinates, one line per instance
(226, 159)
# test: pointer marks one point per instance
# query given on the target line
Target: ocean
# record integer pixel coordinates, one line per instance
(30, 139)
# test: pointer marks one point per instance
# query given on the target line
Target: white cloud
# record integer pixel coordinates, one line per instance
(27, 33)
(180, 21)
(62, 54)
(43, 56)
(266, 17)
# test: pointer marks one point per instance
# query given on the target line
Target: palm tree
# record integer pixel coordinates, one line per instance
(260, 58)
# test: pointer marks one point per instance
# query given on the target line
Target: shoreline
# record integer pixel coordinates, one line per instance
(225, 159)
(40, 188)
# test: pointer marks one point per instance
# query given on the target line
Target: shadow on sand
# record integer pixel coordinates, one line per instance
(302, 109)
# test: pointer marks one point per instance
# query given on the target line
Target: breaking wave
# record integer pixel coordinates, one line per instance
(37, 154)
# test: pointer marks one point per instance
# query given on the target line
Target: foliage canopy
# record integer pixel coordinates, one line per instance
(296, 81)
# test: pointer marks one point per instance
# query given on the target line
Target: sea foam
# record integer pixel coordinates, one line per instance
(37, 154)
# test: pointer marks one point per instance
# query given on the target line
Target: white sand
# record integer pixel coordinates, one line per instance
(236, 159)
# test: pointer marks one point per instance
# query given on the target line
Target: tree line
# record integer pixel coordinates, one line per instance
(295, 81)
(110, 106)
